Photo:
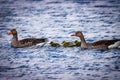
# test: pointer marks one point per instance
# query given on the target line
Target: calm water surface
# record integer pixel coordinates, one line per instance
(56, 20)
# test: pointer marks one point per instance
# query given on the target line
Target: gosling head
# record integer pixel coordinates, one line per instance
(51, 42)
(63, 42)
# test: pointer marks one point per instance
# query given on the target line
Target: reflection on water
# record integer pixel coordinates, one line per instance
(56, 20)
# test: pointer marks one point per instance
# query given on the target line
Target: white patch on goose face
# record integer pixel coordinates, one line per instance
(115, 45)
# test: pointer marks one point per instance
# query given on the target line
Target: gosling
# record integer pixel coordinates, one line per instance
(53, 44)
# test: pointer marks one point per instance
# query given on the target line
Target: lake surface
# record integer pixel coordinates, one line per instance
(56, 20)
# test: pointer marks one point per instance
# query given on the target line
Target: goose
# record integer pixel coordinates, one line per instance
(24, 42)
(101, 44)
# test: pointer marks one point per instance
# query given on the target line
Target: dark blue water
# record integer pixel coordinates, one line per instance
(56, 20)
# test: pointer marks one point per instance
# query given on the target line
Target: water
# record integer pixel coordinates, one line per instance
(56, 20)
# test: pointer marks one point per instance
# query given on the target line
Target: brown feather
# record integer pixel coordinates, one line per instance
(105, 42)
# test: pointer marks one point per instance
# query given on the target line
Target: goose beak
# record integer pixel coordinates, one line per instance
(9, 33)
(73, 34)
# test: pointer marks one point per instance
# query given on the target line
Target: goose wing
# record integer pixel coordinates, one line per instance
(31, 41)
(104, 42)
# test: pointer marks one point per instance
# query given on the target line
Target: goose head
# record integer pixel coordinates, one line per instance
(78, 34)
(12, 32)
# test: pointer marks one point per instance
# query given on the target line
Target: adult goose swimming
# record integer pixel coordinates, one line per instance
(24, 42)
(101, 44)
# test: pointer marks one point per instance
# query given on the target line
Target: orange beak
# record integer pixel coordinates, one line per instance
(73, 34)
(9, 33)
